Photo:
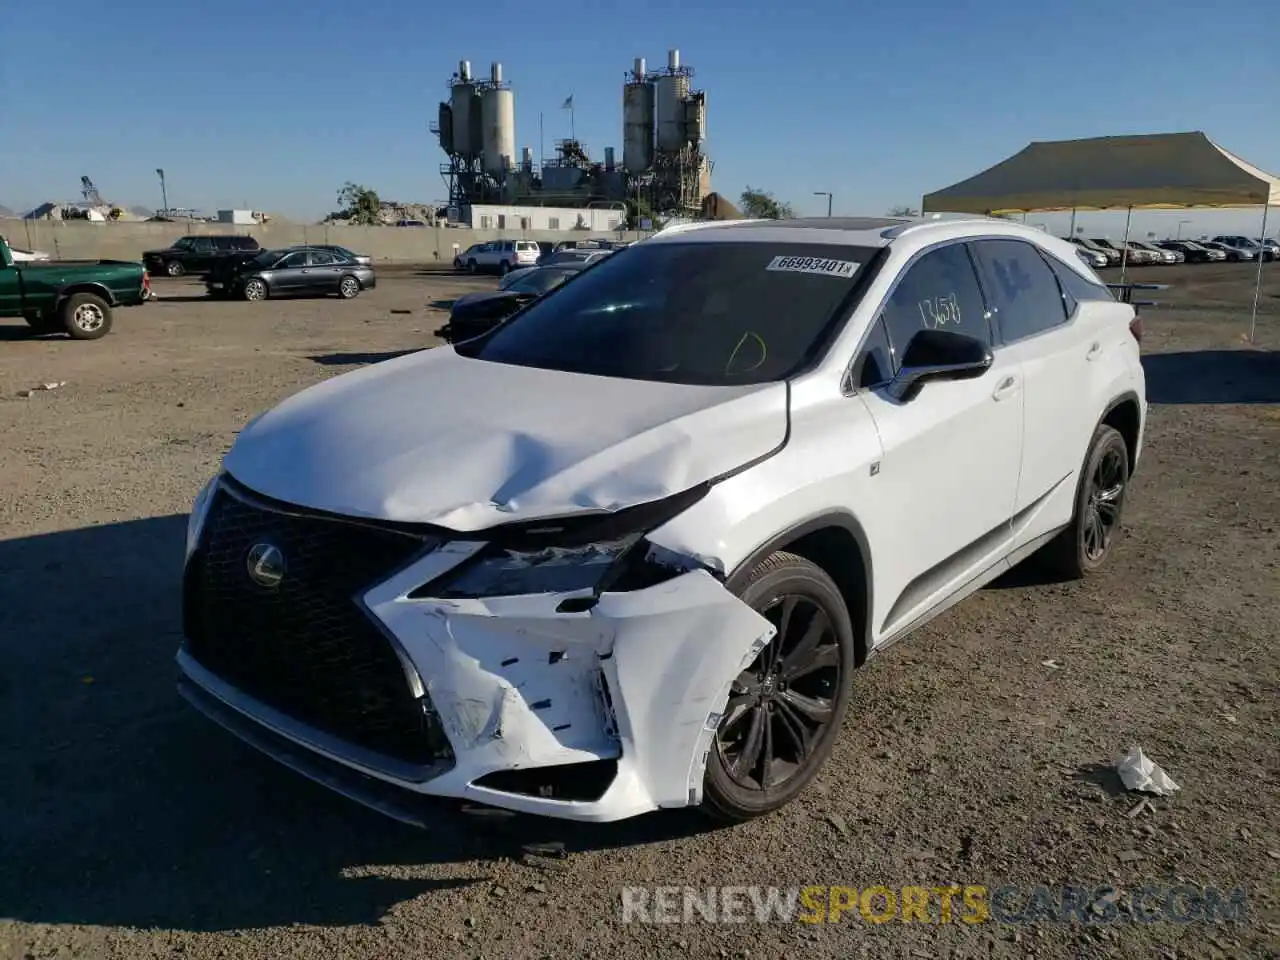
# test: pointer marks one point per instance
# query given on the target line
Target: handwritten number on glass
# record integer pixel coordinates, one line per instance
(939, 312)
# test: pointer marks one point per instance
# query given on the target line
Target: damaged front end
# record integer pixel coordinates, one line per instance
(559, 667)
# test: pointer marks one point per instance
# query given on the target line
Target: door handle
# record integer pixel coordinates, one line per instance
(1095, 351)
(1006, 387)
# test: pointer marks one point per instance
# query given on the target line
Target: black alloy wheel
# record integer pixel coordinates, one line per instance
(1086, 542)
(1103, 502)
(785, 709)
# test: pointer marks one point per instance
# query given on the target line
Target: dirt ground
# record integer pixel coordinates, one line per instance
(981, 751)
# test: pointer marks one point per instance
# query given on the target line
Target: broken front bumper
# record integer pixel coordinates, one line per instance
(594, 715)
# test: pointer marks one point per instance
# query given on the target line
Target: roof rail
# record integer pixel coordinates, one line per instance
(929, 219)
(702, 225)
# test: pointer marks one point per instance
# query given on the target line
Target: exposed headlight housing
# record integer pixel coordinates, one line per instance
(502, 572)
(570, 555)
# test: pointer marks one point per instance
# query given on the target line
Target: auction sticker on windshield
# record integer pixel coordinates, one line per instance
(821, 265)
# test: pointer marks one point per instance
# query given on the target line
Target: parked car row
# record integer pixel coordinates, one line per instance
(1102, 252)
(504, 256)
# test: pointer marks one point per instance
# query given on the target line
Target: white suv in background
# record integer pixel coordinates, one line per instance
(502, 256)
(605, 567)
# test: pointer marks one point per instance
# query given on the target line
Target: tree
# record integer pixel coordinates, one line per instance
(638, 210)
(761, 205)
(903, 212)
(359, 204)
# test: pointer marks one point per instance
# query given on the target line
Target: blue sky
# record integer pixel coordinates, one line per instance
(274, 105)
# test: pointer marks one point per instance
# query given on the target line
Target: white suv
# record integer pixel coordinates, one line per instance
(613, 565)
(502, 256)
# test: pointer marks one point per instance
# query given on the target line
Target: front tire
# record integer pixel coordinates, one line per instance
(174, 268)
(473, 267)
(255, 289)
(348, 287)
(1085, 544)
(85, 316)
(785, 709)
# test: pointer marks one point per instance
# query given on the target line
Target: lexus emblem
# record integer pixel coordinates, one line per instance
(265, 563)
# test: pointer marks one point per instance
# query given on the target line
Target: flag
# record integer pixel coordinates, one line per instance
(568, 103)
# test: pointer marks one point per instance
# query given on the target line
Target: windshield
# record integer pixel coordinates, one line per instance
(699, 313)
(183, 243)
(539, 281)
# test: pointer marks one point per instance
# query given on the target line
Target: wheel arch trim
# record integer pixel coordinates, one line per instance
(97, 288)
(839, 519)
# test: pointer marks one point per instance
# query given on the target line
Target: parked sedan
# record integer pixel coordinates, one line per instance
(1112, 256)
(1193, 252)
(477, 313)
(1094, 258)
(1166, 255)
(295, 271)
(1270, 245)
(1233, 254)
(1244, 243)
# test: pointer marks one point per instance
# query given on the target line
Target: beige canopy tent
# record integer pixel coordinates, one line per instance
(1166, 171)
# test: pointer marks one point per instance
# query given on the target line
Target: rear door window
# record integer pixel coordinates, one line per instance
(1024, 291)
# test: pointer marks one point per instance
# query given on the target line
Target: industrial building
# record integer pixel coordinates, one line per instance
(664, 167)
(600, 217)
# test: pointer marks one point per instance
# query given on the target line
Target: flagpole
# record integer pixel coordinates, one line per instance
(572, 131)
(542, 145)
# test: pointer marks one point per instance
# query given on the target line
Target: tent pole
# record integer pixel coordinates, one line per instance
(1257, 286)
(1124, 254)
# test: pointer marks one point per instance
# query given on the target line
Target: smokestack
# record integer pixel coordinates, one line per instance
(496, 73)
(464, 70)
(639, 68)
(673, 59)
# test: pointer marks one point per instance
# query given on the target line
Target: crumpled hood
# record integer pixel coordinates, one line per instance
(435, 437)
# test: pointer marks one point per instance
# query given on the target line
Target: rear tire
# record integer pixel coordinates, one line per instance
(1084, 545)
(504, 268)
(785, 710)
(85, 316)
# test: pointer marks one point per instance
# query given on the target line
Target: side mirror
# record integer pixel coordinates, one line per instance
(938, 355)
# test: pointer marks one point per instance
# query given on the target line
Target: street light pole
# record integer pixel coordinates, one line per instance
(164, 194)
(823, 193)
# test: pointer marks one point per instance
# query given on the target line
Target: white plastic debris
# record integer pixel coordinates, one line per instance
(1139, 773)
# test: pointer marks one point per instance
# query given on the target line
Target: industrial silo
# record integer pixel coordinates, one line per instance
(464, 105)
(670, 95)
(498, 124)
(444, 124)
(637, 121)
(695, 118)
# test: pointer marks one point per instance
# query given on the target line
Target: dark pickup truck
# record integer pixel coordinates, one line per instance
(73, 296)
(197, 254)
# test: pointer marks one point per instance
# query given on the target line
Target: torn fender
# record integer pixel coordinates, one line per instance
(642, 677)
(678, 648)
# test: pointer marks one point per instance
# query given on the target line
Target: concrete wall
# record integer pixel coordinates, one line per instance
(80, 240)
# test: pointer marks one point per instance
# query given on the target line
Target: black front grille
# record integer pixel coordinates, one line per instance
(305, 646)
